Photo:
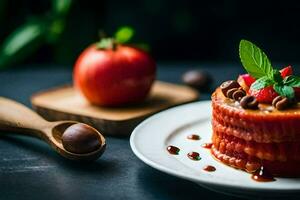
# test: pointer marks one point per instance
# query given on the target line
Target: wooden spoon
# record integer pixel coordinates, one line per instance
(16, 117)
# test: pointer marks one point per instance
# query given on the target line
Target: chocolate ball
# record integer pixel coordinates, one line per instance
(197, 79)
(280, 103)
(228, 87)
(249, 102)
(81, 138)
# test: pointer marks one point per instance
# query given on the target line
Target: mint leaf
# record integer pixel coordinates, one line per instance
(259, 66)
(276, 76)
(292, 81)
(254, 60)
(262, 82)
(284, 90)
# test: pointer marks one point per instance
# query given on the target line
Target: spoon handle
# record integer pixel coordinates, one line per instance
(17, 117)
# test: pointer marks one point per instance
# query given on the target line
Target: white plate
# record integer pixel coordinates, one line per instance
(171, 127)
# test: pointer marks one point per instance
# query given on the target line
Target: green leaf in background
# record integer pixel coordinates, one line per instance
(293, 81)
(55, 29)
(254, 60)
(37, 31)
(124, 34)
(262, 82)
(22, 42)
(284, 90)
(61, 7)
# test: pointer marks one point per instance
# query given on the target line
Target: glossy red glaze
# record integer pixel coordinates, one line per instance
(173, 150)
(207, 145)
(193, 137)
(262, 175)
(194, 156)
(209, 168)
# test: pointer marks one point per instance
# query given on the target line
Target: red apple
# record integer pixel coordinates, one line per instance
(114, 75)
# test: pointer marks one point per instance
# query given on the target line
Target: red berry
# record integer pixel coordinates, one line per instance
(248, 79)
(287, 71)
(265, 95)
(245, 81)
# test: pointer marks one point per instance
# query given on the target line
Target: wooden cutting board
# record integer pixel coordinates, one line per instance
(65, 103)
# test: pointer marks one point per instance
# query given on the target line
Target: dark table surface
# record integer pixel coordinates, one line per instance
(29, 169)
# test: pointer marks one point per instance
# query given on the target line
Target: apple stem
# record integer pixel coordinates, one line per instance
(107, 43)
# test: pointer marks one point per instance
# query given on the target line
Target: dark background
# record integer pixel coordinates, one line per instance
(176, 30)
(181, 35)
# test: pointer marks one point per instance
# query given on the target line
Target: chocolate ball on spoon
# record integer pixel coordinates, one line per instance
(81, 138)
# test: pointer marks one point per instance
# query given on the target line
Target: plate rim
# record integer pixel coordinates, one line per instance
(198, 180)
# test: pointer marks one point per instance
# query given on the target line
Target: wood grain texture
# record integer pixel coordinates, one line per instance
(18, 118)
(65, 103)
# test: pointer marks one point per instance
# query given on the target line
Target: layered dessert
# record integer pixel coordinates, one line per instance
(256, 118)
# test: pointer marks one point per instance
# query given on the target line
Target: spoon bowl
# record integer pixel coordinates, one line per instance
(57, 131)
(16, 117)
